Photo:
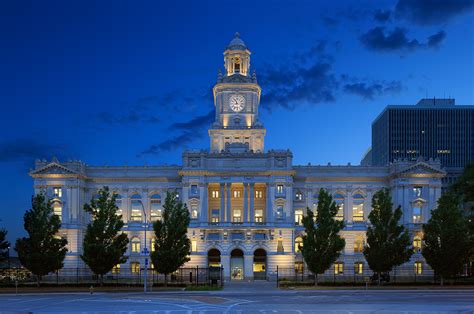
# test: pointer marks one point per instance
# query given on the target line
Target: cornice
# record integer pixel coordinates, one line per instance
(219, 86)
(208, 173)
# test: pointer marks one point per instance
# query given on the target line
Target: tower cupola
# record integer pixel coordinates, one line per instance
(237, 57)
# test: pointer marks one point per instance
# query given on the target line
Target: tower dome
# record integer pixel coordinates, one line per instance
(237, 43)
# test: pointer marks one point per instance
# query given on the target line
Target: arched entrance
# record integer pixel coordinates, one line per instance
(260, 264)
(214, 258)
(237, 264)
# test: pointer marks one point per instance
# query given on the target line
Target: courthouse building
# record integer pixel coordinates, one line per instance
(246, 202)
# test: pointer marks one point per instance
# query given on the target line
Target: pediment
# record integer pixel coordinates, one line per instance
(421, 168)
(53, 168)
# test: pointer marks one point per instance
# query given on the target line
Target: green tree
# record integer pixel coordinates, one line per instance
(43, 251)
(446, 242)
(104, 244)
(388, 242)
(322, 244)
(4, 245)
(172, 246)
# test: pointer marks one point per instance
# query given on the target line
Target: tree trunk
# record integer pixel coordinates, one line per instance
(166, 280)
(316, 279)
(38, 280)
(101, 280)
(378, 279)
(441, 282)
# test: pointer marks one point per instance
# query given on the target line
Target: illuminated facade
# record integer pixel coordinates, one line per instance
(246, 204)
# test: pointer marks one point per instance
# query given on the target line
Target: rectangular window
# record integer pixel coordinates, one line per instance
(280, 189)
(58, 192)
(237, 194)
(116, 269)
(215, 193)
(417, 213)
(155, 210)
(280, 212)
(259, 215)
(418, 268)
(258, 194)
(58, 210)
(338, 268)
(358, 268)
(136, 213)
(193, 246)
(358, 212)
(136, 246)
(194, 212)
(135, 266)
(416, 244)
(152, 247)
(299, 196)
(237, 215)
(298, 217)
(215, 216)
(194, 189)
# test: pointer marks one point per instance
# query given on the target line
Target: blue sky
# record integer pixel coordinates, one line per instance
(128, 82)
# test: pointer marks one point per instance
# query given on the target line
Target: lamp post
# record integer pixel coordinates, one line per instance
(8, 256)
(145, 250)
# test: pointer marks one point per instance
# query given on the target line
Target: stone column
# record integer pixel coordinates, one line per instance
(367, 205)
(246, 217)
(248, 267)
(269, 210)
(348, 209)
(225, 262)
(252, 197)
(222, 195)
(204, 210)
(406, 208)
(229, 207)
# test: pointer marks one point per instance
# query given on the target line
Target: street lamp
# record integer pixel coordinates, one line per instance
(145, 249)
(8, 256)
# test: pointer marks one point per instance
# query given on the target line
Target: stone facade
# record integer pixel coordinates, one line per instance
(246, 203)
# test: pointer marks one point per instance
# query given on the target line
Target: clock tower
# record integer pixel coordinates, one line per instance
(236, 98)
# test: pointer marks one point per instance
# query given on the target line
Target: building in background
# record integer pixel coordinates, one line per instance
(246, 203)
(433, 129)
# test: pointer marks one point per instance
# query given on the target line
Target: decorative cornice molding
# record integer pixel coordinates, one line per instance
(208, 173)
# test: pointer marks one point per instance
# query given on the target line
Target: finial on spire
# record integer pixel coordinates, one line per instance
(237, 35)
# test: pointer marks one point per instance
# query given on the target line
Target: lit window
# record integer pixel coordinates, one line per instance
(137, 208)
(417, 243)
(237, 215)
(418, 268)
(417, 213)
(135, 267)
(280, 212)
(259, 215)
(155, 204)
(116, 269)
(299, 196)
(118, 203)
(280, 188)
(152, 248)
(338, 268)
(215, 215)
(358, 246)
(194, 212)
(299, 267)
(193, 246)
(298, 244)
(237, 194)
(258, 194)
(358, 268)
(339, 198)
(215, 193)
(58, 209)
(135, 245)
(58, 192)
(298, 217)
(358, 208)
(280, 248)
(417, 191)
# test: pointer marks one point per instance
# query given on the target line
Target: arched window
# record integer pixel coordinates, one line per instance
(298, 244)
(58, 209)
(417, 206)
(155, 205)
(358, 245)
(417, 242)
(118, 203)
(339, 199)
(135, 245)
(137, 208)
(358, 207)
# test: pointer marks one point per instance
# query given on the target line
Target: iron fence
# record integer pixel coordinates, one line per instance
(126, 276)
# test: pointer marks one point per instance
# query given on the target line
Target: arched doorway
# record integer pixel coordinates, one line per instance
(260, 264)
(237, 264)
(214, 258)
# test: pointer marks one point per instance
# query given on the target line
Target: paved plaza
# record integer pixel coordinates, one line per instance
(246, 298)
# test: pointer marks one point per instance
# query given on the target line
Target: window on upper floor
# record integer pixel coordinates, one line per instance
(298, 244)
(118, 203)
(298, 196)
(194, 211)
(194, 189)
(417, 242)
(359, 246)
(258, 194)
(358, 207)
(279, 212)
(215, 215)
(215, 194)
(417, 212)
(259, 215)
(339, 199)
(155, 207)
(135, 245)
(58, 209)
(237, 215)
(298, 217)
(57, 192)
(280, 188)
(237, 194)
(137, 208)
(417, 191)
(338, 268)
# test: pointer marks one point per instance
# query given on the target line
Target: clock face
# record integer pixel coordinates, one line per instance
(237, 102)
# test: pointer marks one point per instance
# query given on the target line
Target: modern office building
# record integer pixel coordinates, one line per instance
(433, 129)
(246, 203)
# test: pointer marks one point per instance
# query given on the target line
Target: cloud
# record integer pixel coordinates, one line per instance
(187, 132)
(424, 12)
(382, 15)
(369, 90)
(377, 39)
(26, 150)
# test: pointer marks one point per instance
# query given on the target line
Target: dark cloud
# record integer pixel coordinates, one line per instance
(431, 12)
(26, 150)
(382, 15)
(187, 132)
(436, 39)
(378, 39)
(369, 90)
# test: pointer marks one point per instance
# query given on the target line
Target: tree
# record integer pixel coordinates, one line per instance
(446, 238)
(172, 246)
(43, 251)
(388, 242)
(322, 244)
(4, 245)
(104, 244)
